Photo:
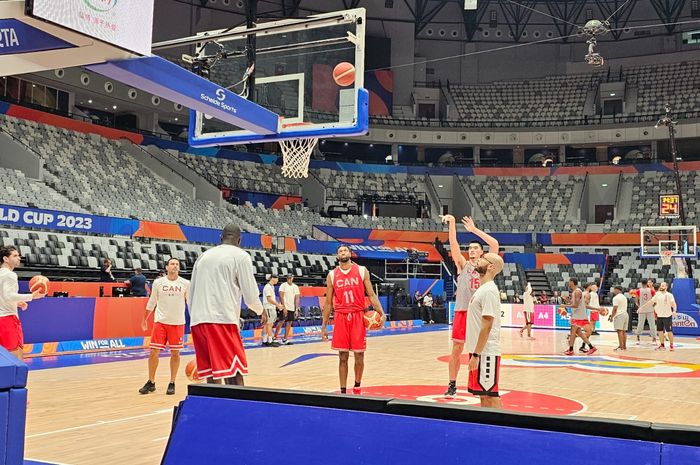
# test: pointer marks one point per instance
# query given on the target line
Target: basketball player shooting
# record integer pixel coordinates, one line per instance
(346, 287)
(468, 281)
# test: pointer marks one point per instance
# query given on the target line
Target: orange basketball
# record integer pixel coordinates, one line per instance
(191, 371)
(39, 283)
(373, 320)
(344, 74)
(603, 311)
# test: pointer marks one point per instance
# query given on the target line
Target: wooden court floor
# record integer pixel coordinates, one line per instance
(84, 415)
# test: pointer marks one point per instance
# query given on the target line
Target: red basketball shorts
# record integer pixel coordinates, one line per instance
(484, 380)
(349, 332)
(595, 316)
(459, 326)
(11, 336)
(172, 335)
(218, 350)
(579, 323)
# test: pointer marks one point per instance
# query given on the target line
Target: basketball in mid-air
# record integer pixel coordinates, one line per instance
(344, 74)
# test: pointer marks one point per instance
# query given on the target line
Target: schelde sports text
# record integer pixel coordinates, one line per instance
(219, 103)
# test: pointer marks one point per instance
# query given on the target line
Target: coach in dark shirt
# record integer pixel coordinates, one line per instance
(106, 275)
(137, 284)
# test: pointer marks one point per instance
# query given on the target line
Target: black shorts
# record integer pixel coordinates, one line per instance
(290, 316)
(664, 323)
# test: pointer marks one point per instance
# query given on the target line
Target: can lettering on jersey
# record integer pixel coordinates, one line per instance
(468, 282)
(348, 290)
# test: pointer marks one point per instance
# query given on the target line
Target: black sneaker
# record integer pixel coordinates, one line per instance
(171, 389)
(148, 387)
(451, 392)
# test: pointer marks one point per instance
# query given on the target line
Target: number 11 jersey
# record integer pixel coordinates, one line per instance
(348, 289)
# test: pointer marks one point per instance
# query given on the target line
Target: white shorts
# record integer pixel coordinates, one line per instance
(620, 321)
(271, 313)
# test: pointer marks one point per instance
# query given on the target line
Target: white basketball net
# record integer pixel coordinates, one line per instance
(666, 257)
(296, 154)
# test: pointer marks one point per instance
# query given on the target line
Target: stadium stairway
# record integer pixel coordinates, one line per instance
(538, 281)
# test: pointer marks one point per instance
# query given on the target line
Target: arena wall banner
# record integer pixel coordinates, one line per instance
(56, 325)
(66, 221)
(687, 317)
(546, 317)
(374, 252)
(362, 235)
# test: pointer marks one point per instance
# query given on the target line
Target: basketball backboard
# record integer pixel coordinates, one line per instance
(294, 61)
(681, 240)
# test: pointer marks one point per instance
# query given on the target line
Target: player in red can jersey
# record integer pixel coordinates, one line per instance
(346, 287)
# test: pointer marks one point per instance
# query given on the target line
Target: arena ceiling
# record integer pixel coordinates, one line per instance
(560, 20)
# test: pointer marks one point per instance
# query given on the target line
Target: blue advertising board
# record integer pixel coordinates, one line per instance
(18, 37)
(66, 221)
